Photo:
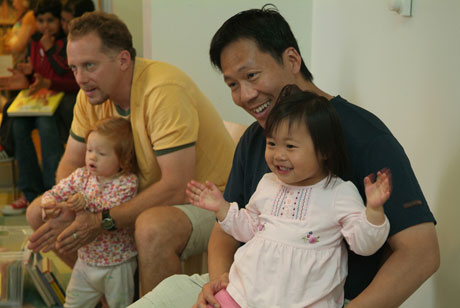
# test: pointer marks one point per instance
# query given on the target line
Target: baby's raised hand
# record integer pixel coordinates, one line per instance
(77, 202)
(207, 197)
(50, 209)
(378, 192)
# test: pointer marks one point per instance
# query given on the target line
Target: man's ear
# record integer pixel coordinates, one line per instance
(292, 59)
(124, 58)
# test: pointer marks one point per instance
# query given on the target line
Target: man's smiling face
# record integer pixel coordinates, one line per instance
(254, 77)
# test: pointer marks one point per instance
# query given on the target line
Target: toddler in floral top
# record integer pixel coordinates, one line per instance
(296, 220)
(105, 266)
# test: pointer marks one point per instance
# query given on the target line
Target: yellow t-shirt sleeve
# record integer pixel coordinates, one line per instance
(173, 119)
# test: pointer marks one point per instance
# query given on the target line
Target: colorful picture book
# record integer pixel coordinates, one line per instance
(36, 279)
(44, 102)
(43, 274)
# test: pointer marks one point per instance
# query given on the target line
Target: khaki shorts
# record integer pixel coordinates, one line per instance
(202, 223)
(177, 291)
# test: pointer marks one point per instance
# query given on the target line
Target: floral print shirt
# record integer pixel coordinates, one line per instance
(109, 248)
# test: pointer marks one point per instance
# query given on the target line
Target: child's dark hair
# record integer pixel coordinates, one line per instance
(119, 132)
(48, 6)
(77, 7)
(321, 121)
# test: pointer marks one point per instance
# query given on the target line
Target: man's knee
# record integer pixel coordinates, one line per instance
(145, 228)
(165, 226)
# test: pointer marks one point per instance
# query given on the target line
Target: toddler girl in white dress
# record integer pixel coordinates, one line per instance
(295, 222)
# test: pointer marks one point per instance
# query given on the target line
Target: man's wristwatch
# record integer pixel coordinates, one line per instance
(107, 221)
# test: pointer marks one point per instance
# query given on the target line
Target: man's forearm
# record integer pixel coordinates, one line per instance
(414, 259)
(158, 194)
(221, 250)
(177, 169)
(73, 158)
(64, 170)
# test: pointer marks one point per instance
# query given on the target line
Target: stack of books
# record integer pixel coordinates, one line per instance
(44, 276)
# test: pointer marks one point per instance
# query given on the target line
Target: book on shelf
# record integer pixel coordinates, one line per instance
(44, 275)
(50, 284)
(59, 289)
(31, 267)
(44, 102)
(46, 270)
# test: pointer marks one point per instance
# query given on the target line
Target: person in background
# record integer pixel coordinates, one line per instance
(14, 42)
(178, 135)
(64, 114)
(46, 69)
(258, 55)
(296, 220)
(105, 266)
(72, 9)
(17, 38)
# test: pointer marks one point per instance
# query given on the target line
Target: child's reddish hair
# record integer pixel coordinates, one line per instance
(118, 131)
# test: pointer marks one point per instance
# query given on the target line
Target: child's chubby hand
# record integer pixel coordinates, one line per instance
(50, 209)
(77, 202)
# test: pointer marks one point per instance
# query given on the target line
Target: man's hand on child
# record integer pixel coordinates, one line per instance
(44, 238)
(50, 209)
(83, 230)
(208, 291)
(77, 202)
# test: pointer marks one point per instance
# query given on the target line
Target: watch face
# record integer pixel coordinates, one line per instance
(107, 223)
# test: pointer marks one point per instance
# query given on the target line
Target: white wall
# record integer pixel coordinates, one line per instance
(406, 70)
(131, 13)
(182, 32)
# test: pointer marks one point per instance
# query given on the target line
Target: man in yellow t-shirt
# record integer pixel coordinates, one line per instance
(178, 136)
